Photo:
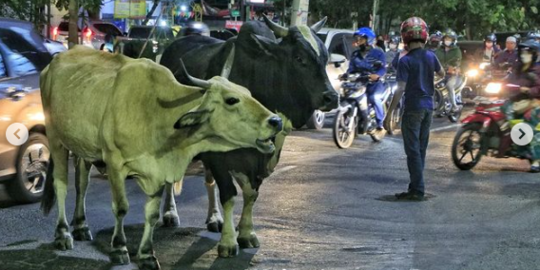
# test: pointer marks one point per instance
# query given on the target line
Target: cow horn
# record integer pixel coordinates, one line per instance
(197, 82)
(319, 25)
(279, 30)
(228, 64)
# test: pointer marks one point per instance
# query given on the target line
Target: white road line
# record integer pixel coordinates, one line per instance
(445, 127)
(284, 169)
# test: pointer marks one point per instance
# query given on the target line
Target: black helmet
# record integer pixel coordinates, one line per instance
(491, 37)
(394, 39)
(196, 28)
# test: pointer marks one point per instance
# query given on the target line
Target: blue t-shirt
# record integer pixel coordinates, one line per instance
(417, 69)
(365, 64)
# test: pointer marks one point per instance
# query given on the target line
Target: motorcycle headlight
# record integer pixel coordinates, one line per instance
(493, 88)
(484, 65)
(472, 73)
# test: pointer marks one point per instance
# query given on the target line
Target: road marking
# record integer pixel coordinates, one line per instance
(284, 169)
(445, 128)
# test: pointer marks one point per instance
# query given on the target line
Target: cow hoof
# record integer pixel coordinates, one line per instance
(249, 242)
(150, 263)
(215, 226)
(228, 251)
(82, 234)
(64, 241)
(120, 256)
(170, 221)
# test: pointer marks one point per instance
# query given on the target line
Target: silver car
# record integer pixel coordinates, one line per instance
(93, 34)
(339, 45)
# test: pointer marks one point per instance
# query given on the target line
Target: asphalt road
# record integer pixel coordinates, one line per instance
(324, 208)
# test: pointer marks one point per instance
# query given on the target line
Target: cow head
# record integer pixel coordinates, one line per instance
(234, 118)
(294, 66)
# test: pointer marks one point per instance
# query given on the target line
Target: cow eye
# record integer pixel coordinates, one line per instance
(232, 101)
(298, 59)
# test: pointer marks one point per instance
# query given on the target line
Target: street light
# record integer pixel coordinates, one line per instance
(183, 8)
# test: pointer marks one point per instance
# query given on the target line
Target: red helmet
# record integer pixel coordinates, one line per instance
(414, 29)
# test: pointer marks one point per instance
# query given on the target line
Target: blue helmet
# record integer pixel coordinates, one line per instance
(367, 33)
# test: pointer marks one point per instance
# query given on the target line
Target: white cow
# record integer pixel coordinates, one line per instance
(133, 116)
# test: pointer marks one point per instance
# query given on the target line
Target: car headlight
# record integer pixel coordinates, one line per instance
(472, 73)
(484, 65)
(493, 88)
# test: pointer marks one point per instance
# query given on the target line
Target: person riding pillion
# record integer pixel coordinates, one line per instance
(508, 57)
(450, 57)
(490, 49)
(371, 61)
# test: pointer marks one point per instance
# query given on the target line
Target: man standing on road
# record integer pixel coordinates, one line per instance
(415, 78)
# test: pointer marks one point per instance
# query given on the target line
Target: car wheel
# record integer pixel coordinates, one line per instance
(316, 121)
(32, 162)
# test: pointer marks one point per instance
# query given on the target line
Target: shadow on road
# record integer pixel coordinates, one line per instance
(178, 248)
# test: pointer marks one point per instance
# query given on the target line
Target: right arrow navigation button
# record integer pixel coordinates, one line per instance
(522, 134)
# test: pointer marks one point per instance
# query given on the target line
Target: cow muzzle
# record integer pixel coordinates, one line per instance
(266, 145)
(330, 100)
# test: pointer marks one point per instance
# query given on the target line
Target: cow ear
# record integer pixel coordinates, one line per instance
(191, 119)
(263, 43)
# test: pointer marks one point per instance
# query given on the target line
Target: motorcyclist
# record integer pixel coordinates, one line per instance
(508, 57)
(526, 104)
(434, 41)
(490, 49)
(450, 57)
(371, 60)
(393, 50)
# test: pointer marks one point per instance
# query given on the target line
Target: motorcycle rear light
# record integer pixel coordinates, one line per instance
(88, 33)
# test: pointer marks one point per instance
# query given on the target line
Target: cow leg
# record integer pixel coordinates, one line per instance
(147, 259)
(170, 214)
(247, 237)
(81, 232)
(62, 238)
(214, 221)
(120, 206)
(228, 247)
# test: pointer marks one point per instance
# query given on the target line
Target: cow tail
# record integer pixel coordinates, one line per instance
(49, 196)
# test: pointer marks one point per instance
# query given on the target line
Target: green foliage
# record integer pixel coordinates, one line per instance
(471, 18)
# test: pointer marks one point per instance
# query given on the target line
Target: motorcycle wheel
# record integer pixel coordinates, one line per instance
(467, 144)
(343, 137)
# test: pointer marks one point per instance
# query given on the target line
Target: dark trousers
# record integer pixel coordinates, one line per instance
(375, 93)
(415, 127)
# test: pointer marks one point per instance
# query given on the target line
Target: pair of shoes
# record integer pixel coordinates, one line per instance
(409, 196)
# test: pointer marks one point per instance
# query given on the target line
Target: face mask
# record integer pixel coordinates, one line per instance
(448, 43)
(393, 46)
(526, 58)
(363, 47)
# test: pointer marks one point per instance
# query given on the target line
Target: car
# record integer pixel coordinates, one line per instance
(54, 47)
(339, 45)
(138, 35)
(22, 57)
(95, 33)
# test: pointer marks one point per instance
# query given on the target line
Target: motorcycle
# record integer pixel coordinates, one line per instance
(486, 132)
(390, 82)
(355, 115)
(481, 77)
(442, 104)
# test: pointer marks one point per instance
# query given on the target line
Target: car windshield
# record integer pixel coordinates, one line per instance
(64, 27)
(144, 32)
(107, 28)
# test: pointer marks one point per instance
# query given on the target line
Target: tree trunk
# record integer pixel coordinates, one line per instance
(149, 15)
(73, 37)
